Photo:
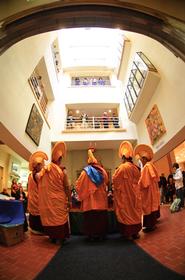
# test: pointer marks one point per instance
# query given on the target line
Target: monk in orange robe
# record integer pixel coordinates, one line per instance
(91, 190)
(36, 163)
(127, 196)
(53, 196)
(149, 187)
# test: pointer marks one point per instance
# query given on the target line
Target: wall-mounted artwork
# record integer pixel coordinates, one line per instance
(15, 167)
(155, 125)
(34, 125)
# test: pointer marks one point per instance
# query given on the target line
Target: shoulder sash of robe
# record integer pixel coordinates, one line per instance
(94, 175)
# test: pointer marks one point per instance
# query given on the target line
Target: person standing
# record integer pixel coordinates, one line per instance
(70, 120)
(84, 120)
(23, 197)
(163, 188)
(178, 179)
(91, 189)
(36, 163)
(105, 120)
(127, 197)
(15, 192)
(53, 196)
(115, 121)
(149, 187)
(170, 190)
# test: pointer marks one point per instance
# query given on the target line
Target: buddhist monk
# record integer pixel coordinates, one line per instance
(36, 163)
(149, 187)
(127, 196)
(53, 197)
(91, 188)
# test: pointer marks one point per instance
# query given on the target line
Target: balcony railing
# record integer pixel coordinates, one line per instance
(89, 123)
(90, 81)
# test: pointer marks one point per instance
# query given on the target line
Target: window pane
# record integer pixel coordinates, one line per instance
(132, 93)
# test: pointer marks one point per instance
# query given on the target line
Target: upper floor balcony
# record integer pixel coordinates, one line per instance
(97, 123)
(93, 123)
(90, 81)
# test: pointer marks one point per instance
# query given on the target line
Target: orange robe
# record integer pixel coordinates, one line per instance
(53, 202)
(91, 196)
(149, 189)
(127, 196)
(33, 196)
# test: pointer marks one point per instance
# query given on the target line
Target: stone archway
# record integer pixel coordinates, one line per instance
(167, 30)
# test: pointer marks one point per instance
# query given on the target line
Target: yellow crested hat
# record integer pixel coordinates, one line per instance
(91, 157)
(35, 158)
(143, 150)
(126, 149)
(59, 150)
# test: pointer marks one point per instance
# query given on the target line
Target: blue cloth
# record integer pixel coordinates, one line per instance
(11, 212)
(94, 175)
(4, 218)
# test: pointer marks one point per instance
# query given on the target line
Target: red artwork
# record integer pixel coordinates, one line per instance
(155, 125)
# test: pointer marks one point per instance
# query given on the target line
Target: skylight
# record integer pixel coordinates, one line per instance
(90, 47)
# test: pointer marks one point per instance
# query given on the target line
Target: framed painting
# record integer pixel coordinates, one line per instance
(155, 125)
(34, 125)
(35, 86)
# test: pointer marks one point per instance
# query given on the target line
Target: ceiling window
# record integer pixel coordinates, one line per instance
(91, 47)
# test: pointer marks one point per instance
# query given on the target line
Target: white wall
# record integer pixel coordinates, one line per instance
(92, 95)
(170, 93)
(18, 62)
(68, 95)
(16, 97)
(54, 112)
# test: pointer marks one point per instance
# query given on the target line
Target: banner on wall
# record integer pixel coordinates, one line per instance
(155, 125)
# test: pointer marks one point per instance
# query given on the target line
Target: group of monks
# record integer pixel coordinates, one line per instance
(136, 194)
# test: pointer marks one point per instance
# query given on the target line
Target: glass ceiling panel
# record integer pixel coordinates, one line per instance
(86, 47)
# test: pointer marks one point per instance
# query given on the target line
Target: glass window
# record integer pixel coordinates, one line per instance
(127, 106)
(91, 47)
(130, 101)
(140, 67)
(143, 60)
(132, 93)
(138, 76)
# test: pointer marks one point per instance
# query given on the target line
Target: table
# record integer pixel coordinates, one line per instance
(11, 212)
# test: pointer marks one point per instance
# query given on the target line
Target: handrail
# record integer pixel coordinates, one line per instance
(92, 122)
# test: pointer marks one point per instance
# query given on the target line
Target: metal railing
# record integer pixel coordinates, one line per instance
(92, 123)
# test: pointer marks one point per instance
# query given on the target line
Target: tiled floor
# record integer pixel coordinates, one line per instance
(167, 244)
(24, 260)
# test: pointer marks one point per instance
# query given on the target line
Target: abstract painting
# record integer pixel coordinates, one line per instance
(155, 125)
